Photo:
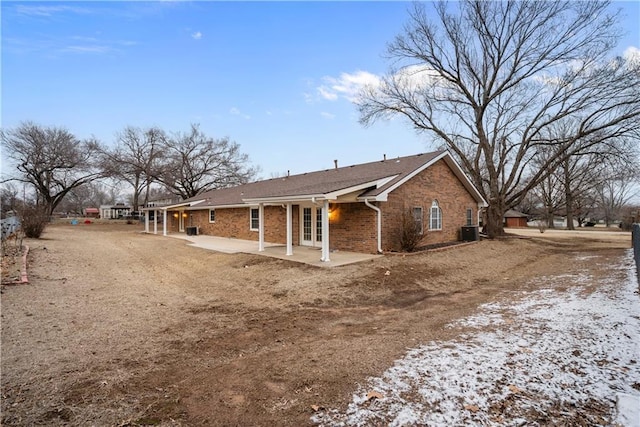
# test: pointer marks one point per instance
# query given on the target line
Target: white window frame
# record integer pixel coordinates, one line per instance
(469, 217)
(418, 218)
(251, 210)
(212, 211)
(435, 217)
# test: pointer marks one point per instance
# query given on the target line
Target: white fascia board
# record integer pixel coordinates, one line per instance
(179, 205)
(328, 196)
(455, 167)
(284, 199)
(377, 183)
(198, 208)
(379, 198)
(412, 174)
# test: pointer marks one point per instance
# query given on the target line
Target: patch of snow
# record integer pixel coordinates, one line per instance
(628, 410)
(563, 349)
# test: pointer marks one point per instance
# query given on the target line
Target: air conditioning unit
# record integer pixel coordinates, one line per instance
(192, 231)
(469, 233)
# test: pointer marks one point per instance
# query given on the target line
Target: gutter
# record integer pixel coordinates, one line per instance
(379, 212)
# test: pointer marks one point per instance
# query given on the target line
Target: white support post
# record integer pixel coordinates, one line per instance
(325, 232)
(164, 222)
(289, 230)
(146, 221)
(155, 222)
(261, 227)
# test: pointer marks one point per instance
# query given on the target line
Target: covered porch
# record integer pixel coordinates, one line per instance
(305, 255)
(306, 222)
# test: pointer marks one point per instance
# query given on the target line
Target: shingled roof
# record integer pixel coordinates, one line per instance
(371, 180)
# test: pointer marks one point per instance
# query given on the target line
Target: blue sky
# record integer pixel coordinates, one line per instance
(276, 77)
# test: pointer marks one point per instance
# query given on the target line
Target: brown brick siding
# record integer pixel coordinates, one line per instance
(172, 222)
(235, 223)
(352, 227)
(438, 182)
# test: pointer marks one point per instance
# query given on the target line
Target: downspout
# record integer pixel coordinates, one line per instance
(377, 209)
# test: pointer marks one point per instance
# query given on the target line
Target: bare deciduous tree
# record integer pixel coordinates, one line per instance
(92, 194)
(50, 159)
(569, 190)
(196, 163)
(10, 198)
(136, 159)
(550, 193)
(615, 192)
(488, 80)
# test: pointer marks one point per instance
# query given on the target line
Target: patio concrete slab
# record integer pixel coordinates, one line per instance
(220, 244)
(301, 254)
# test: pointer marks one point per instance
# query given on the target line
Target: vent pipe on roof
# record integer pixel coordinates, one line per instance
(288, 172)
(335, 162)
(384, 157)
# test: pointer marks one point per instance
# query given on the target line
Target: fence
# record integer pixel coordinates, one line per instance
(9, 226)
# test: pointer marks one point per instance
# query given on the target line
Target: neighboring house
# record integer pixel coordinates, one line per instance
(119, 210)
(92, 212)
(515, 219)
(355, 208)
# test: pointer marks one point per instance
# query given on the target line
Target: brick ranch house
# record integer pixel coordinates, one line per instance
(355, 208)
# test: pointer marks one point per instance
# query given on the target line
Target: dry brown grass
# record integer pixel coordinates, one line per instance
(122, 328)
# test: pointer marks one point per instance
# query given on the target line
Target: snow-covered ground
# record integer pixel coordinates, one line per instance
(558, 355)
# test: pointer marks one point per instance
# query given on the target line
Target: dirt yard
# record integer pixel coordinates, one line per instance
(121, 328)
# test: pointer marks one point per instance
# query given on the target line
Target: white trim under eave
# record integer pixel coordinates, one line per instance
(386, 192)
(455, 167)
(284, 199)
(379, 198)
(198, 208)
(179, 205)
(377, 183)
(332, 196)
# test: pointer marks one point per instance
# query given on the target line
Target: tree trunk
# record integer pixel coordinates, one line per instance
(568, 195)
(570, 225)
(136, 193)
(146, 192)
(494, 226)
(550, 217)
